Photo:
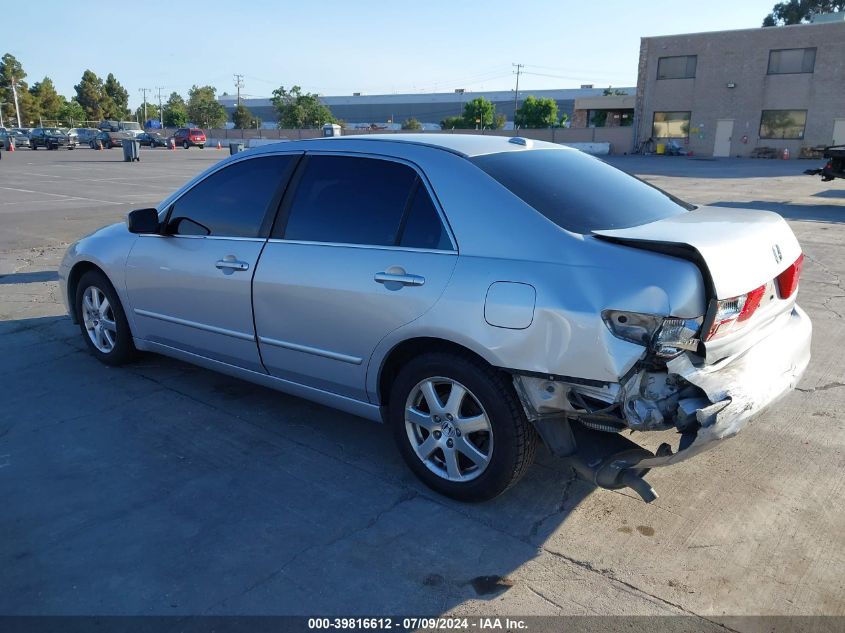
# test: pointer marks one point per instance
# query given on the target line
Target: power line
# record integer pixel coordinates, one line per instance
(519, 67)
(239, 83)
(144, 91)
(160, 110)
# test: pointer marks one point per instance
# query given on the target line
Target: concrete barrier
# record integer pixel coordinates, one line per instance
(596, 149)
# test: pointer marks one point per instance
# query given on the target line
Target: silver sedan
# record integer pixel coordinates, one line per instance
(477, 293)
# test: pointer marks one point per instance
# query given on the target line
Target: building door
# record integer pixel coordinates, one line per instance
(724, 131)
(839, 131)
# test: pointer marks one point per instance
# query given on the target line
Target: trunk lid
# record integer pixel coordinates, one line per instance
(741, 249)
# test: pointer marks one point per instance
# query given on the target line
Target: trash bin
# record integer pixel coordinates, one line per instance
(235, 148)
(661, 148)
(131, 149)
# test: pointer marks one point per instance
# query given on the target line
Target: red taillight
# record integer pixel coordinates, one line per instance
(752, 302)
(732, 313)
(788, 279)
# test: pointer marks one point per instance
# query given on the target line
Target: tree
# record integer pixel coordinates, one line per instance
(12, 70)
(297, 109)
(564, 120)
(478, 112)
(499, 121)
(175, 114)
(611, 91)
(203, 107)
(536, 113)
(116, 103)
(29, 110)
(798, 11)
(49, 101)
(71, 113)
(90, 95)
(244, 119)
(152, 113)
(599, 118)
(411, 124)
(453, 123)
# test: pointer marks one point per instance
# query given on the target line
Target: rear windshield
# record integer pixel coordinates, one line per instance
(578, 192)
(196, 131)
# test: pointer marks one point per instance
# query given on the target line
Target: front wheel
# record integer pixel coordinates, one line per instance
(102, 320)
(185, 145)
(460, 427)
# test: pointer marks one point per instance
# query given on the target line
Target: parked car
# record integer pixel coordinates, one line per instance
(152, 139)
(84, 134)
(51, 138)
(473, 292)
(19, 139)
(131, 128)
(107, 139)
(189, 136)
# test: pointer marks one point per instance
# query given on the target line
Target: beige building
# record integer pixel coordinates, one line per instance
(730, 92)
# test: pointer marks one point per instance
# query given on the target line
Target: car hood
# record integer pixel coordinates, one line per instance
(741, 248)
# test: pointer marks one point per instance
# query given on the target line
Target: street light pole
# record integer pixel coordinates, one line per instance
(519, 67)
(15, 95)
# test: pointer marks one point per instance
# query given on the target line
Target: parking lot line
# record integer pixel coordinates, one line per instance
(60, 195)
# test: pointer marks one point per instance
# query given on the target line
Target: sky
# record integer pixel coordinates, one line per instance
(337, 48)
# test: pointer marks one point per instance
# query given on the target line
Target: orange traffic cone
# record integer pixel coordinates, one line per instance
(11, 146)
(219, 146)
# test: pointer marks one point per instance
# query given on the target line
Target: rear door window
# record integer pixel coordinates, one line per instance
(350, 200)
(232, 202)
(578, 192)
(423, 227)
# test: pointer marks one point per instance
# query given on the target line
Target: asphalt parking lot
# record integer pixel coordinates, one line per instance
(161, 488)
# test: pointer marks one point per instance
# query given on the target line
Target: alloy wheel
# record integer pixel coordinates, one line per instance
(98, 317)
(448, 429)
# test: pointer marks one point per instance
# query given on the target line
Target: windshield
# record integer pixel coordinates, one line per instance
(53, 130)
(578, 192)
(129, 125)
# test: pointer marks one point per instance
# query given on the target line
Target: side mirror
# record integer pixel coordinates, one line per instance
(143, 221)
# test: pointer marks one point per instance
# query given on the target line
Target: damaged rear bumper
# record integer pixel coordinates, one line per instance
(742, 386)
(729, 393)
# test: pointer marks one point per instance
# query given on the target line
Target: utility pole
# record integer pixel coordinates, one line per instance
(160, 110)
(239, 83)
(519, 68)
(144, 91)
(15, 94)
(2, 103)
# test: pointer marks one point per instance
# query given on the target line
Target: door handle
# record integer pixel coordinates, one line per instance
(405, 280)
(233, 264)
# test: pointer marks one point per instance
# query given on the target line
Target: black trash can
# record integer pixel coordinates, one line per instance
(235, 148)
(131, 149)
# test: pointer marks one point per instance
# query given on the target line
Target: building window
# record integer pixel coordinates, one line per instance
(788, 61)
(682, 67)
(783, 124)
(671, 125)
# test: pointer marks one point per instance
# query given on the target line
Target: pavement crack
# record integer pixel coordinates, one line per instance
(406, 496)
(559, 509)
(608, 574)
(830, 385)
(544, 598)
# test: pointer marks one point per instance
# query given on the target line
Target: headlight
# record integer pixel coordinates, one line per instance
(666, 336)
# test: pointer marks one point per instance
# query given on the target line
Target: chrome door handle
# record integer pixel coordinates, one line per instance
(231, 264)
(405, 280)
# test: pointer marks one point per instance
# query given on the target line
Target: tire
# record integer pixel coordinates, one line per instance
(201, 146)
(503, 438)
(114, 344)
(185, 144)
(109, 145)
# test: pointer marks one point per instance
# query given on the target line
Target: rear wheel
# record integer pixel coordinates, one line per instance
(102, 320)
(185, 144)
(460, 427)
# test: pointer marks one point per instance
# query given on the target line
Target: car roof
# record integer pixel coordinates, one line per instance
(466, 145)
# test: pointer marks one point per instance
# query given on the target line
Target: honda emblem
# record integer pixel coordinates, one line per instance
(776, 252)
